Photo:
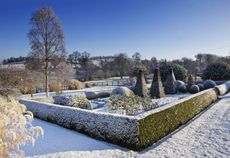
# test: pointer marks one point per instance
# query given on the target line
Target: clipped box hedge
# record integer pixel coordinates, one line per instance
(134, 132)
(117, 129)
(154, 126)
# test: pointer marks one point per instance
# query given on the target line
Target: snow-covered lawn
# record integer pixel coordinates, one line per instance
(207, 135)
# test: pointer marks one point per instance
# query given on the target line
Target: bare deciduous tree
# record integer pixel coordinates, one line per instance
(122, 64)
(106, 67)
(137, 58)
(46, 38)
(63, 73)
(86, 64)
(74, 58)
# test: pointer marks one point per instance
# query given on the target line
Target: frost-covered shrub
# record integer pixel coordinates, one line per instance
(182, 88)
(217, 71)
(55, 86)
(199, 82)
(178, 83)
(201, 86)
(147, 104)
(209, 84)
(122, 91)
(77, 100)
(26, 89)
(194, 89)
(87, 85)
(75, 85)
(15, 128)
(130, 104)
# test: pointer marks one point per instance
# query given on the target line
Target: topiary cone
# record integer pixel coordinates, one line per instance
(140, 87)
(157, 89)
(169, 86)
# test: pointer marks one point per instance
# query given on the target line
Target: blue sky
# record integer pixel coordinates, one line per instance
(161, 28)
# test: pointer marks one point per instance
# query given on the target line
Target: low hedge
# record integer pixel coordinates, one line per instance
(117, 129)
(156, 125)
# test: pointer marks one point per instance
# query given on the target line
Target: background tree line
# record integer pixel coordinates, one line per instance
(84, 67)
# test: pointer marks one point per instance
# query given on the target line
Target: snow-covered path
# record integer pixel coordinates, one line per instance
(208, 135)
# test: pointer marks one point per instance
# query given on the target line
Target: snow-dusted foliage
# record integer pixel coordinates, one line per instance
(182, 88)
(77, 100)
(118, 129)
(148, 104)
(209, 84)
(194, 89)
(55, 86)
(130, 105)
(15, 128)
(201, 86)
(75, 84)
(178, 83)
(122, 91)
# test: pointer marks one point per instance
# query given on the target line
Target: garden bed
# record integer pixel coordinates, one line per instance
(134, 132)
(99, 101)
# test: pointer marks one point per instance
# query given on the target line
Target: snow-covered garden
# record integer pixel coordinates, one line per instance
(71, 98)
(126, 116)
(207, 135)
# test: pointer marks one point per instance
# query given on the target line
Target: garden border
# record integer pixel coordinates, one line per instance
(133, 132)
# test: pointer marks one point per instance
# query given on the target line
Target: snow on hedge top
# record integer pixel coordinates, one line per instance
(25, 100)
(142, 115)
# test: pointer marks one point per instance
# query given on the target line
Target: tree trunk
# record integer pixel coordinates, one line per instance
(46, 62)
(47, 82)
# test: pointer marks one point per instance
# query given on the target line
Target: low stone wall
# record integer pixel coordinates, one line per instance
(122, 130)
(134, 132)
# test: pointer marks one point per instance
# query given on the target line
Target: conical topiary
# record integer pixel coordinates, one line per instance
(190, 82)
(169, 86)
(157, 89)
(141, 88)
